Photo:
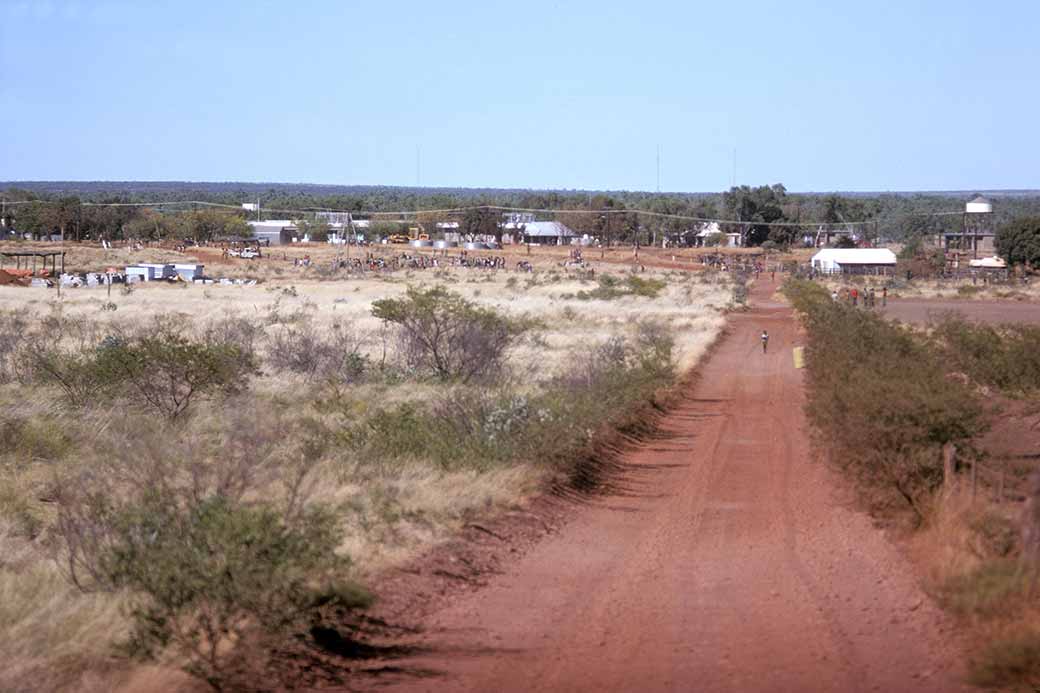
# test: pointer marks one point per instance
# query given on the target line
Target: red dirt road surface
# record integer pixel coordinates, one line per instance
(726, 559)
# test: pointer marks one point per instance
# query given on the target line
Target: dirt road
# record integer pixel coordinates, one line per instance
(728, 561)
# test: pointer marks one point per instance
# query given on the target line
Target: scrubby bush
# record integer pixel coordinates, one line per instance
(167, 371)
(13, 328)
(610, 288)
(442, 333)
(475, 427)
(881, 399)
(207, 525)
(208, 575)
(162, 366)
(308, 350)
(1006, 357)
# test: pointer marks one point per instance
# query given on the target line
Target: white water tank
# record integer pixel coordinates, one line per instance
(979, 205)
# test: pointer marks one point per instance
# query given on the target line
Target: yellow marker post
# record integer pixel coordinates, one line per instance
(799, 357)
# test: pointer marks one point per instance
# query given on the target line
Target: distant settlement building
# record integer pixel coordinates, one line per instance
(541, 232)
(854, 261)
(274, 231)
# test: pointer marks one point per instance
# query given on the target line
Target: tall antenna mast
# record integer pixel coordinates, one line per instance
(734, 181)
(658, 168)
(418, 170)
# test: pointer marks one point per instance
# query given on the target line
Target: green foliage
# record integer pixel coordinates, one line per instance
(166, 370)
(159, 367)
(1018, 242)
(29, 439)
(761, 204)
(205, 575)
(444, 334)
(880, 398)
(1006, 357)
(479, 222)
(610, 288)
(713, 240)
(475, 428)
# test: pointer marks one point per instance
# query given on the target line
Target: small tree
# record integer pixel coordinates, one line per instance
(167, 371)
(442, 332)
(206, 576)
(1019, 241)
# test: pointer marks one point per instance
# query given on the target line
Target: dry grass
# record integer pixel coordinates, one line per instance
(55, 638)
(51, 633)
(967, 552)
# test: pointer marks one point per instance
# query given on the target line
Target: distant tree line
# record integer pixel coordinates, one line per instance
(613, 216)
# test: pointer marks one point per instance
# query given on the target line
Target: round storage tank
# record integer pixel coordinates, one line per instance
(475, 246)
(420, 244)
(980, 205)
(443, 245)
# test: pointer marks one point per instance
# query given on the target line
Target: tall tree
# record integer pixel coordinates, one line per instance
(1018, 242)
(758, 207)
(481, 222)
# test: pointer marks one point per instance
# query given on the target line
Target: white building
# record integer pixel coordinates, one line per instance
(541, 232)
(274, 231)
(854, 261)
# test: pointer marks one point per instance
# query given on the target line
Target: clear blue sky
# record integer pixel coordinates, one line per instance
(818, 95)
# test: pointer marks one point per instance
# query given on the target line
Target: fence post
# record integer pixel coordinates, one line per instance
(949, 455)
(1031, 520)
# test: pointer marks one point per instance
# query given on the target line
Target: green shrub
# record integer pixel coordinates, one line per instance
(78, 374)
(1003, 356)
(649, 288)
(610, 288)
(30, 439)
(879, 396)
(443, 333)
(205, 576)
(475, 427)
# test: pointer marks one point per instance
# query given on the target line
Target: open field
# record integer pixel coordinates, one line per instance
(923, 311)
(394, 494)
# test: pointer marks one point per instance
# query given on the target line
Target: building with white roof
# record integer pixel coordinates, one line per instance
(542, 232)
(854, 261)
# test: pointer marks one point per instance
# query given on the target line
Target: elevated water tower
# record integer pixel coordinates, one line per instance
(978, 225)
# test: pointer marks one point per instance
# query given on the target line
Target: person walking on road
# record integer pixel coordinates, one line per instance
(765, 341)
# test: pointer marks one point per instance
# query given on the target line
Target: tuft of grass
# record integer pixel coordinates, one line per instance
(1009, 661)
(994, 589)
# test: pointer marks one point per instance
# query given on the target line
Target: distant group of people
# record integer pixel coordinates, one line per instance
(868, 297)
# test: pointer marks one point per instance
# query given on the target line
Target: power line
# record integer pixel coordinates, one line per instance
(500, 208)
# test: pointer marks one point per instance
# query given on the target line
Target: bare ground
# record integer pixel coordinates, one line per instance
(922, 310)
(723, 557)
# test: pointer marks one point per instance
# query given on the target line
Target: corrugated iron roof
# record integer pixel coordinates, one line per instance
(856, 256)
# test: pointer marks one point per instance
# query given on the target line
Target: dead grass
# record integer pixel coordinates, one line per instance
(51, 633)
(52, 637)
(967, 551)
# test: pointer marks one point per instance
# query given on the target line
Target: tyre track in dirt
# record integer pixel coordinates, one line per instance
(723, 559)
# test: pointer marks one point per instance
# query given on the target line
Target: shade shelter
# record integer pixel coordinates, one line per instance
(31, 258)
